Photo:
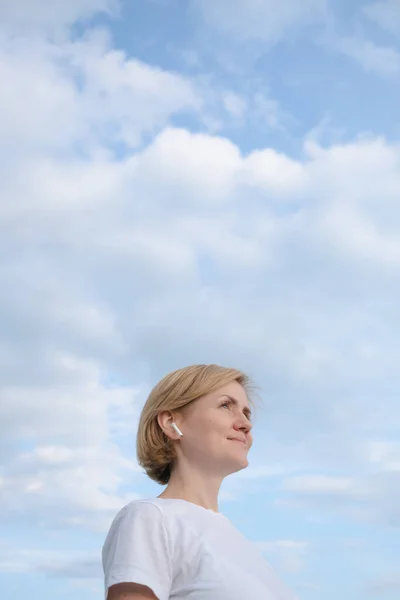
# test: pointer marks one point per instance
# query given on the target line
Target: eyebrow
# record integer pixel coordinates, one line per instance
(246, 410)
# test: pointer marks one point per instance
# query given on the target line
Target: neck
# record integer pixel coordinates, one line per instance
(187, 483)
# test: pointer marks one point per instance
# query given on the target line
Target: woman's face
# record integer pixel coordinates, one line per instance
(217, 430)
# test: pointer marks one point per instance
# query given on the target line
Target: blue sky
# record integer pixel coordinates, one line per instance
(201, 181)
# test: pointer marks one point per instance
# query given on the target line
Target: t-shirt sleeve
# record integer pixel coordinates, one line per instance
(137, 549)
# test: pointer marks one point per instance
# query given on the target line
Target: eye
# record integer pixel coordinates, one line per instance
(226, 404)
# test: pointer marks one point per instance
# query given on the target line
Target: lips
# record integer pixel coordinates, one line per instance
(241, 440)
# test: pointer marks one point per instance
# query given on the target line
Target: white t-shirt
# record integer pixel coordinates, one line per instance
(182, 551)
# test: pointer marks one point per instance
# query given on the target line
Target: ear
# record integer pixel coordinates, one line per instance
(165, 419)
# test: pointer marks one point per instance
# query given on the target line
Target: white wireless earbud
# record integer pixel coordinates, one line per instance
(176, 428)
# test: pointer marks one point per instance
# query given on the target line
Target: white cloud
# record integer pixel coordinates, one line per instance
(320, 484)
(384, 587)
(260, 19)
(386, 455)
(385, 13)
(370, 496)
(126, 263)
(234, 104)
(197, 166)
(274, 173)
(72, 428)
(34, 13)
(52, 563)
(83, 93)
(106, 315)
(130, 246)
(253, 109)
(383, 60)
(289, 556)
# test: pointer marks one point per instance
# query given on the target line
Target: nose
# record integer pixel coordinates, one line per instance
(242, 423)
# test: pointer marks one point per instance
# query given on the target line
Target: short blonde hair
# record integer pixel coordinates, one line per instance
(174, 392)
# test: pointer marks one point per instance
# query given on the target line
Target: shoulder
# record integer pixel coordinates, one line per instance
(138, 517)
(161, 510)
(138, 549)
(141, 507)
(175, 522)
(153, 511)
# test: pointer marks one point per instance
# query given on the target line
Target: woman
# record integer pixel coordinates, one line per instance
(194, 430)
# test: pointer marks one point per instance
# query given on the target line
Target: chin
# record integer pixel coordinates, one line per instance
(238, 466)
(244, 465)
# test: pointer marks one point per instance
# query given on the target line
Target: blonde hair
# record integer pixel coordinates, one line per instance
(175, 391)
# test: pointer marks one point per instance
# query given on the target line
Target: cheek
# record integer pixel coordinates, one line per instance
(201, 430)
(208, 429)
